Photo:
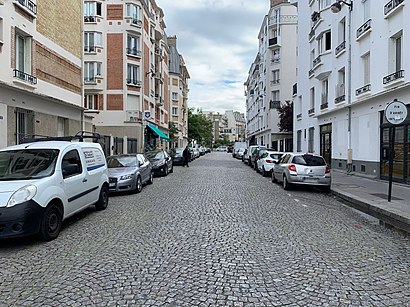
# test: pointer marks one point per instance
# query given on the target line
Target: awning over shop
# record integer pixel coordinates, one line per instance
(161, 134)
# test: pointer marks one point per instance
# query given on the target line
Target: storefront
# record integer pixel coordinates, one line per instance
(154, 137)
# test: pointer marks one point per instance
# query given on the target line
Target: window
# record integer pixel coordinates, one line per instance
(366, 68)
(91, 71)
(325, 3)
(133, 74)
(311, 139)
(92, 9)
(1, 31)
(133, 45)
(23, 53)
(324, 42)
(342, 31)
(299, 141)
(174, 111)
(91, 40)
(340, 87)
(91, 102)
(24, 124)
(312, 57)
(398, 51)
(71, 164)
(366, 10)
(174, 96)
(275, 76)
(275, 96)
(312, 98)
(133, 11)
(325, 92)
(275, 56)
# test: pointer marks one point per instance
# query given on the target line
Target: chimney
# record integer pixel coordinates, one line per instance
(276, 2)
(172, 40)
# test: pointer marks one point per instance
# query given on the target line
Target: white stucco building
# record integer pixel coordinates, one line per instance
(272, 77)
(351, 64)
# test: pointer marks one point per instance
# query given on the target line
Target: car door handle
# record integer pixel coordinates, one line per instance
(85, 180)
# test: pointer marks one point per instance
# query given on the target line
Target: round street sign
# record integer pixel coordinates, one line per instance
(396, 112)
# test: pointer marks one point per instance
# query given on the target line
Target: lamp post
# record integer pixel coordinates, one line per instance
(336, 8)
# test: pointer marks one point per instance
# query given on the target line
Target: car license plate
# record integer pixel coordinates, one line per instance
(112, 185)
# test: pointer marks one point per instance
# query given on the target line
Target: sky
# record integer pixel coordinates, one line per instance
(218, 40)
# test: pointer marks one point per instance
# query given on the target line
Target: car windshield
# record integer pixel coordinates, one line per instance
(27, 164)
(179, 150)
(275, 156)
(309, 160)
(121, 161)
(155, 155)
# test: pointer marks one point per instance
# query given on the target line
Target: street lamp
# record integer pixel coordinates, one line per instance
(336, 8)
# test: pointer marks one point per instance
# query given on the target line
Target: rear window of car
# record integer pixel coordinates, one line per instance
(309, 160)
(275, 156)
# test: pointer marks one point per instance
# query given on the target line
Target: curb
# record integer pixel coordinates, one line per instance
(387, 217)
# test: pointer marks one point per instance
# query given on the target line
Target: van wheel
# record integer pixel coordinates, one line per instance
(138, 185)
(51, 223)
(286, 184)
(102, 202)
(151, 178)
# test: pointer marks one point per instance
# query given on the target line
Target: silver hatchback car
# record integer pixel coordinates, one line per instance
(302, 169)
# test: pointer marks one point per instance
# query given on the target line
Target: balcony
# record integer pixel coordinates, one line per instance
(299, 116)
(363, 89)
(133, 116)
(311, 111)
(365, 28)
(283, 19)
(159, 102)
(90, 80)
(21, 75)
(295, 89)
(340, 99)
(391, 6)
(90, 49)
(27, 5)
(274, 104)
(274, 42)
(311, 73)
(91, 19)
(394, 76)
(136, 22)
(317, 61)
(275, 82)
(340, 48)
(134, 82)
(134, 52)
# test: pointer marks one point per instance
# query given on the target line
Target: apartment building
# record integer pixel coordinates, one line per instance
(126, 78)
(178, 84)
(40, 75)
(271, 77)
(235, 125)
(351, 65)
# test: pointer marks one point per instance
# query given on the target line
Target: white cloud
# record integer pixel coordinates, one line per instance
(218, 40)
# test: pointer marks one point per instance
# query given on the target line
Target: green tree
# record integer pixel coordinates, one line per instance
(173, 131)
(286, 117)
(199, 127)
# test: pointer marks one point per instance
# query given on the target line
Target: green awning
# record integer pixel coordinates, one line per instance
(161, 134)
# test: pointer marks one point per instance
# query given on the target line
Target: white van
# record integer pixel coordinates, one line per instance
(43, 183)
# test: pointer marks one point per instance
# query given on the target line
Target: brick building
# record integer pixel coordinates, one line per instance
(40, 75)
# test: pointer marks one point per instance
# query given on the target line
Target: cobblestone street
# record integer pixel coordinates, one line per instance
(216, 233)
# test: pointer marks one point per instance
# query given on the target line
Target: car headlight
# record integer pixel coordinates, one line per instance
(126, 177)
(22, 195)
(160, 163)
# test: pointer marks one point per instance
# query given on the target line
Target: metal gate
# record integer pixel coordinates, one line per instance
(131, 145)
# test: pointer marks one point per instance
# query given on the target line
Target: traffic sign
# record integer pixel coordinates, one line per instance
(396, 112)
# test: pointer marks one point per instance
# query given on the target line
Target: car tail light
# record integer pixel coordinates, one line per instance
(327, 171)
(292, 167)
(269, 161)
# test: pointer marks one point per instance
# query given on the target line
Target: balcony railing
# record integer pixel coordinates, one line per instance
(275, 60)
(89, 48)
(364, 28)
(324, 106)
(136, 22)
(274, 82)
(317, 61)
(391, 5)
(134, 52)
(283, 19)
(339, 99)
(90, 79)
(340, 48)
(311, 34)
(133, 116)
(311, 73)
(25, 77)
(363, 89)
(273, 41)
(394, 76)
(134, 82)
(90, 18)
(28, 5)
(324, 102)
(299, 116)
(311, 111)
(274, 104)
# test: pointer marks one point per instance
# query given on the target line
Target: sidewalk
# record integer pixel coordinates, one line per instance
(370, 196)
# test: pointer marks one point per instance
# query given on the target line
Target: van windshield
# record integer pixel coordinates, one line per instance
(27, 164)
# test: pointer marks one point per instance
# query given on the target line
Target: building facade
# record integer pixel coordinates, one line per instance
(40, 75)
(351, 65)
(235, 125)
(179, 89)
(126, 78)
(271, 77)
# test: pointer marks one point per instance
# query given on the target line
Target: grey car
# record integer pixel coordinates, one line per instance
(302, 169)
(129, 172)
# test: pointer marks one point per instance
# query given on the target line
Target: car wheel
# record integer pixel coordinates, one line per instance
(51, 223)
(326, 189)
(286, 184)
(172, 169)
(102, 201)
(273, 178)
(151, 178)
(264, 173)
(166, 171)
(138, 185)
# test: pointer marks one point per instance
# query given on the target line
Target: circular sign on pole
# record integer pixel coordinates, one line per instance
(396, 112)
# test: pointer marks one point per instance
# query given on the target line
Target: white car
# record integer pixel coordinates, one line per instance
(266, 161)
(43, 183)
(222, 148)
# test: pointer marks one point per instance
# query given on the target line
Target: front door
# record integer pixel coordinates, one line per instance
(326, 142)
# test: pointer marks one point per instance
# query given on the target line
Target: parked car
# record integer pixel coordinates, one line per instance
(302, 169)
(239, 153)
(43, 183)
(266, 161)
(222, 148)
(237, 146)
(247, 155)
(229, 149)
(176, 155)
(201, 151)
(256, 154)
(129, 172)
(161, 162)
